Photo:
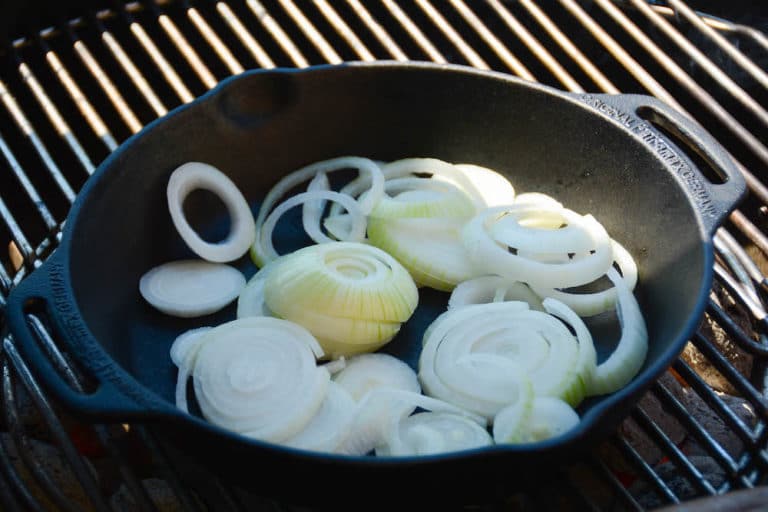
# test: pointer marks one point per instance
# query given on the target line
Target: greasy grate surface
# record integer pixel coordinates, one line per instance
(72, 92)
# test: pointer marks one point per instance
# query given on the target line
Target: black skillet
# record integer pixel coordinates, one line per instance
(659, 183)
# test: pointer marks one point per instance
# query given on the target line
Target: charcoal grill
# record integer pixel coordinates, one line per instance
(77, 80)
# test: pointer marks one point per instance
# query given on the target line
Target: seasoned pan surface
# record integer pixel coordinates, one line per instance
(597, 154)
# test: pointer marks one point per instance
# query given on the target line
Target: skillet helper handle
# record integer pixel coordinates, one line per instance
(43, 295)
(709, 173)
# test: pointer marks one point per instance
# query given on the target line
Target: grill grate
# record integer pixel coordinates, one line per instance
(72, 92)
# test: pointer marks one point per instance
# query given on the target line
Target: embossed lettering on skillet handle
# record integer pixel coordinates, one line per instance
(643, 114)
(48, 294)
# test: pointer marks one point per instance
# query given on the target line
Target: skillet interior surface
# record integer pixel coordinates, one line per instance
(258, 127)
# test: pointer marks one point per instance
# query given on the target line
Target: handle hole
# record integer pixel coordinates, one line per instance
(690, 148)
(50, 339)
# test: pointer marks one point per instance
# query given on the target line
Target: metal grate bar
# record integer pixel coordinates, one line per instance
(447, 29)
(277, 32)
(704, 62)
(734, 331)
(512, 62)
(23, 496)
(649, 475)
(29, 132)
(22, 244)
(7, 500)
(567, 45)
(377, 30)
(728, 250)
(76, 463)
(349, 36)
(221, 49)
(93, 119)
(104, 81)
(26, 184)
(747, 263)
(601, 469)
(186, 50)
(414, 32)
(148, 45)
(55, 117)
(244, 36)
(692, 474)
(734, 53)
(670, 402)
(306, 26)
(136, 76)
(565, 78)
(701, 388)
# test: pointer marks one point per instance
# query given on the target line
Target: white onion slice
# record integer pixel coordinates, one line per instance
(330, 425)
(430, 248)
(549, 417)
(260, 250)
(258, 376)
(422, 197)
(251, 301)
(491, 187)
(312, 211)
(365, 372)
(191, 288)
(628, 357)
(491, 257)
(590, 304)
(183, 352)
(195, 175)
(429, 433)
(537, 199)
(380, 407)
(485, 289)
(263, 251)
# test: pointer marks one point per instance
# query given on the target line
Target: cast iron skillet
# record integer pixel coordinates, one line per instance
(600, 154)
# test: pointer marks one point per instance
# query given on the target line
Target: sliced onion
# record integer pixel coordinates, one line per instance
(590, 304)
(380, 407)
(485, 289)
(491, 187)
(195, 175)
(469, 359)
(422, 197)
(263, 251)
(429, 433)
(258, 376)
(549, 417)
(330, 425)
(366, 372)
(251, 301)
(352, 297)
(430, 248)
(628, 357)
(191, 288)
(183, 351)
(537, 199)
(492, 257)
(312, 211)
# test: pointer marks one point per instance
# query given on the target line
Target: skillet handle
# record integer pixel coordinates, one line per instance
(711, 177)
(41, 312)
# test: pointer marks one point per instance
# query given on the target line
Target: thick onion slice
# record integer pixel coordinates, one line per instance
(626, 360)
(366, 372)
(430, 248)
(195, 175)
(191, 288)
(381, 407)
(485, 357)
(594, 303)
(422, 197)
(485, 289)
(258, 376)
(183, 350)
(547, 418)
(343, 279)
(330, 425)
(429, 433)
(352, 297)
(489, 187)
(251, 301)
(548, 266)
